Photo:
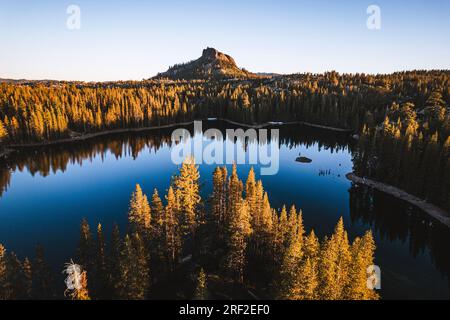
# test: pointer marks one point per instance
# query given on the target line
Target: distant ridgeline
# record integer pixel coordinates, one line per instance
(402, 119)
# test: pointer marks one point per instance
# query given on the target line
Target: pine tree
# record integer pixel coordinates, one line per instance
(328, 270)
(262, 241)
(157, 210)
(186, 188)
(260, 195)
(42, 279)
(289, 271)
(334, 264)
(239, 231)
(362, 251)
(251, 194)
(292, 224)
(172, 230)
(114, 263)
(125, 285)
(86, 246)
(308, 280)
(344, 256)
(134, 270)
(238, 227)
(218, 200)
(234, 198)
(283, 227)
(3, 132)
(15, 276)
(266, 222)
(266, 216)
(224, 194)
(27, 272)
(139, 215)
(5, 285)
(201, 291)
(157, 249)
(312, 246)
(82, 292)
(369, 247)
(142, 266)
(276, 246)
(300, 227)
(101, 270)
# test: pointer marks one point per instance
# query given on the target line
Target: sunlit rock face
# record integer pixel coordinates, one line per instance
(212, 64)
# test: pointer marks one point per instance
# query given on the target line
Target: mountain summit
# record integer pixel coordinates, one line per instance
(213, 64)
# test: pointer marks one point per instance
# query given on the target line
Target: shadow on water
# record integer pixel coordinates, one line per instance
(393, 220)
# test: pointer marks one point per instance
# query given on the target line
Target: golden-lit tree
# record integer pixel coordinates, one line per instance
(311, 246)
(239, 231)
(81, 293)
(172, 232)
(86, 247)
(289, 271)
(334, 264)
(272, 244)
(139, 216)
(362, 251)
(158, 242)
(186, 187)
(134, 269)
(218, 199)
(308, 280)
(201, 290)
(5, 285)
(3, 132)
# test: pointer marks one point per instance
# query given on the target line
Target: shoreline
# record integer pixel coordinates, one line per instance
(278, 123)
(431, 209)
(88, 136)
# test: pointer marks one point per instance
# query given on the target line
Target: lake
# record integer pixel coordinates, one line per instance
(45, 192)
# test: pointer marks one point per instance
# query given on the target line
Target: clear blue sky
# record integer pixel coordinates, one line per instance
(121, 40)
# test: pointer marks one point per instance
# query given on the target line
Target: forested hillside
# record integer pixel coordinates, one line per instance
(179, 245)
(402, 119)
(211, 65)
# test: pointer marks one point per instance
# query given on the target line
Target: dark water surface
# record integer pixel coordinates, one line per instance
(47, 191)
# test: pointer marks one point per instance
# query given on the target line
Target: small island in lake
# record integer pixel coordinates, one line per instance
(303, 160)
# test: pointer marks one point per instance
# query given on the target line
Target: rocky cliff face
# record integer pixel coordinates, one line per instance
(211, 55)
(213, 64)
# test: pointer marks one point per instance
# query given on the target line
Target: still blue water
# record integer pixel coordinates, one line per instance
(51, 189)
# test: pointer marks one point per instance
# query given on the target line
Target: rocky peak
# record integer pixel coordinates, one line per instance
(212, 64)
(211, 54)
